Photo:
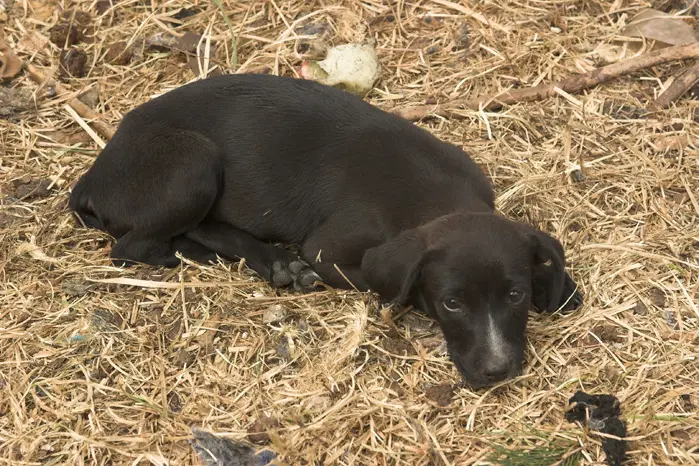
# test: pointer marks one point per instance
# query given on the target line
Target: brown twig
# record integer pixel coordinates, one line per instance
(678, 87)
(571, 84)
(80, 108)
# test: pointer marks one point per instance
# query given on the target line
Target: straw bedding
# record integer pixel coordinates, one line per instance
(100, 365)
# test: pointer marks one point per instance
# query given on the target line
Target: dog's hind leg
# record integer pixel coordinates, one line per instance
(162, 190)
(132, 248)
(278, 266)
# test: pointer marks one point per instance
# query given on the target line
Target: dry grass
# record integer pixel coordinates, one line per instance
(109, 373)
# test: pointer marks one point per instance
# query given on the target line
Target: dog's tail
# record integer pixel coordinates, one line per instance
(80, 203)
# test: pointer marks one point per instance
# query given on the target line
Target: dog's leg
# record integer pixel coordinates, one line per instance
(149, 208)
(341, 276)
(336, 248)
(132, 248)
(278, 266)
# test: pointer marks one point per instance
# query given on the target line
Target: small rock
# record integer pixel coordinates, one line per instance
(432, 49)
(396, 387)
(184, 358)
(102, 6)
(73, 63)
(185, 13)
(174, 402)
(657, 297)
(686, 402)
(282, 349)
(257, 432)
(441, 394)
(671, 319)
(354, 68)
(640, 309)
(91, 98)
(273, 314)
(119, 54)
(577, 176)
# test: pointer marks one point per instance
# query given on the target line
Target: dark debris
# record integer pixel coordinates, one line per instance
(601, 413)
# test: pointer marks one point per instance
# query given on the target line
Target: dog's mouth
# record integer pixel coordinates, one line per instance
(477, 381)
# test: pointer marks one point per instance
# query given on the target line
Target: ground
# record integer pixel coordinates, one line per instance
(102, 365)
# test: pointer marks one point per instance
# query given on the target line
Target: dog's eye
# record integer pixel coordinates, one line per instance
(515, 296)
(452, 304)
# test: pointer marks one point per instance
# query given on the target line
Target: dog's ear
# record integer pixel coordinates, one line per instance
(548, 271)
(393, 268)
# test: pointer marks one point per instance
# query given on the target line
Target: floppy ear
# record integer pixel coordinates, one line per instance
(392, 269)
(548, 271)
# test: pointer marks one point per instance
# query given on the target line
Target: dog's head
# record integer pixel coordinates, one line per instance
(477, 275)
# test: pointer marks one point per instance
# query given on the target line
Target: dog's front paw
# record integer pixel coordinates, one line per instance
(296, 273)
(572, 298)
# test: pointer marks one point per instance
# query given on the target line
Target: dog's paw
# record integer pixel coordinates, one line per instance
(572, 298)
(297, 274)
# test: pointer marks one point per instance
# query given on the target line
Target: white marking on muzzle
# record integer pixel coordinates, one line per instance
(496, 342)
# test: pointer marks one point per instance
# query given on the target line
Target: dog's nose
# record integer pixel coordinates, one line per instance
(496, 370)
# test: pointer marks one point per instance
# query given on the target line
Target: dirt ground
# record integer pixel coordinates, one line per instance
(102, 365)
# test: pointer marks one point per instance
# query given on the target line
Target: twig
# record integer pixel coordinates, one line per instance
(571, 84)
(678, 87)
(80, 108)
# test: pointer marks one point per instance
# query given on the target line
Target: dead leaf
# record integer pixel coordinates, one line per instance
(190, 44)
(674, 142)
(32, 42)
(662, 27)
(119, 53)
(10, 64)
(610, 53)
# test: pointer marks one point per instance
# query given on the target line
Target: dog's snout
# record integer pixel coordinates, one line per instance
(496, 369)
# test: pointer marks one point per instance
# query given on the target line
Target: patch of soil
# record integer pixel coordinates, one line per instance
(27, 189)
(399, 346)
(441, 394)
(257, 432)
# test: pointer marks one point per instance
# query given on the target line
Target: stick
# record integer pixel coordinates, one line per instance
(80, 108)
(678, 87)
(571, 84)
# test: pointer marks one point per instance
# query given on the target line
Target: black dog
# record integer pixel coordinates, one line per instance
(229, 165)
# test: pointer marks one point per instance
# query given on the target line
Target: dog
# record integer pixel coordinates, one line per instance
(232, 166)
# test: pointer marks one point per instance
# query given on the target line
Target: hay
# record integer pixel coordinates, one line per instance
(118, 371)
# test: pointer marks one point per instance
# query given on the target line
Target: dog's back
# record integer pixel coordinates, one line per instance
(294, 151)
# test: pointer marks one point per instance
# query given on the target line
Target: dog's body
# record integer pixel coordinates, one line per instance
(228, 165)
